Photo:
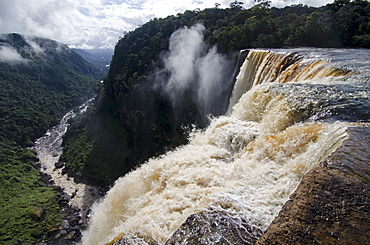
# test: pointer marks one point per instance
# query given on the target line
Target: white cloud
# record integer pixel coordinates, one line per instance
(35, 47)
(10, 55)
(98, 23)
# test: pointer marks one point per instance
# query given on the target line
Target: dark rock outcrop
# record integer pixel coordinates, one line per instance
(36, 213)
(215, 227)
(59, 164)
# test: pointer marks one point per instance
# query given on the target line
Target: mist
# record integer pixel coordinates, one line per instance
(194, 71)
(35, 47)
(10, 55)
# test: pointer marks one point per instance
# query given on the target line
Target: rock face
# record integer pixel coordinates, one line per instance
(212, 227)
(332, 203)
(36, 213)
(329, 207)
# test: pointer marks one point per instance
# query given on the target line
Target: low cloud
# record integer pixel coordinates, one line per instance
(10, 55)
(35, 47)
(99, 23)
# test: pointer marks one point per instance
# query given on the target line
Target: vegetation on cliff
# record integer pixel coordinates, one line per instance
(146, 122)
(40, 80)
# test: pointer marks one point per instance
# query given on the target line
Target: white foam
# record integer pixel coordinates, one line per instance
(233, 165)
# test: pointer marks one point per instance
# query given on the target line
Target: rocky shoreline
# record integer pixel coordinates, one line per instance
(75, 220)
(75, 196)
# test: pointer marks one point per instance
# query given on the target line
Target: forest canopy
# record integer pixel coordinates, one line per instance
(343, 23)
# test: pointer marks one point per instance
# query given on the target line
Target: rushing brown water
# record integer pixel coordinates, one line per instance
(289, 109)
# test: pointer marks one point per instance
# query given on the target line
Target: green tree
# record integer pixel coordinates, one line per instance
(236, 5)
(261, 9)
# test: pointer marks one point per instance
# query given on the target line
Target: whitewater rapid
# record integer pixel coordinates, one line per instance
(233, 166)
(281, 123)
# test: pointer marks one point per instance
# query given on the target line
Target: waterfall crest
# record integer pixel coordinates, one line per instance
(245, 164)
(262, 66)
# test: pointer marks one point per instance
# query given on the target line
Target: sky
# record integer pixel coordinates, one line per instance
(96, 24)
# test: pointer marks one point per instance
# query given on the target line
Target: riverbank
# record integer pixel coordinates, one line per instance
(76, 198)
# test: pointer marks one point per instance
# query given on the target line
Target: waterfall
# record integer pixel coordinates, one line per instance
(263, 66)
(282, 121)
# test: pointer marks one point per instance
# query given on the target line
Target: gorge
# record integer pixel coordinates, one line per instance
(286, 118)
(196, 141)
(40, 80)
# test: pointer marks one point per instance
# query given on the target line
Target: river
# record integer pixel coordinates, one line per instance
(48, 149)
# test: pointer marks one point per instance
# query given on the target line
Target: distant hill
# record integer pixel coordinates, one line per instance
(100, 58)
(40, 79)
